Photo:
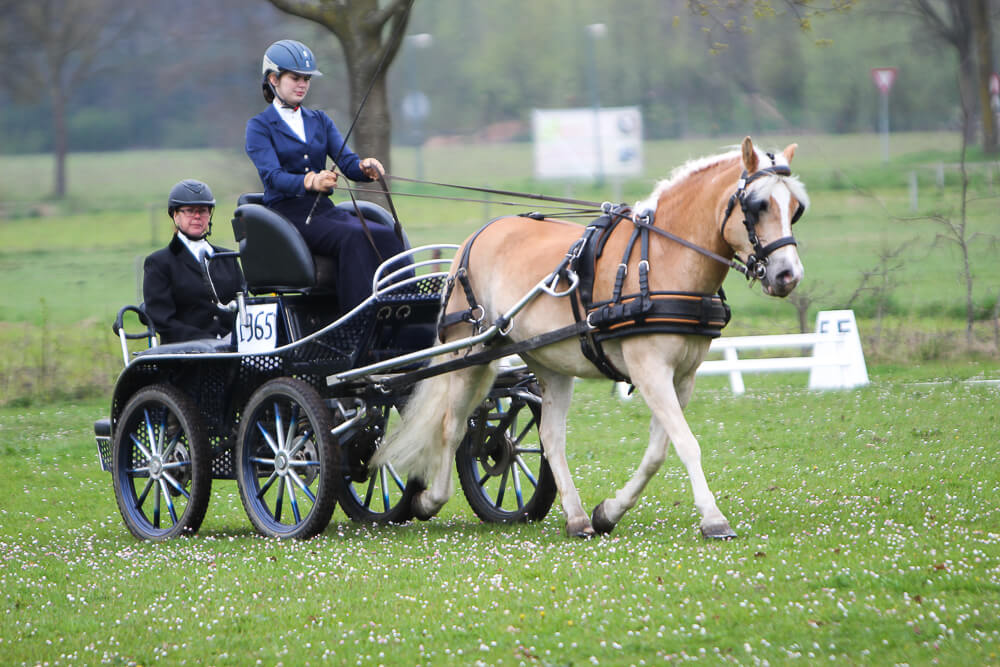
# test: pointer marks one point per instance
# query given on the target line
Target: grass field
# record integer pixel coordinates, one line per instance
(868, 518)
(868, 535)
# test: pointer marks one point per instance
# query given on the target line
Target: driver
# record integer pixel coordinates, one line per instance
(289, 145)
(177, 296)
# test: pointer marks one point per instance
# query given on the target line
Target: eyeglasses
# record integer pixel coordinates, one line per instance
(192, 211)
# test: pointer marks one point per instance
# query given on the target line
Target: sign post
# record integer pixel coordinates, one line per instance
(884, 77)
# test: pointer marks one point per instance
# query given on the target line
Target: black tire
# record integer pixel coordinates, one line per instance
(284, 449)
(160, 464)
(502, 450)
(373, 496)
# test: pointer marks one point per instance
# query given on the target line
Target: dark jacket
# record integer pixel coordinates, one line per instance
(178, 299)
(282, 158)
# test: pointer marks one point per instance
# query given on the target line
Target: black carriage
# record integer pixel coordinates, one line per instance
(267, 409)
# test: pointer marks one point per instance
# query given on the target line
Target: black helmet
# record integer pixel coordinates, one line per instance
(189, 192)
(287, 55)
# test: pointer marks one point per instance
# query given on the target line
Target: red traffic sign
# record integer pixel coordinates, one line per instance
(994, 84)
(884, 78)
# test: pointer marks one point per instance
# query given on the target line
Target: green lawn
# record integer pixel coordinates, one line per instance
(868, 530)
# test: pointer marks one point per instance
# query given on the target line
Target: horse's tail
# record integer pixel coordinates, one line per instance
(433, 421)
(414, 446)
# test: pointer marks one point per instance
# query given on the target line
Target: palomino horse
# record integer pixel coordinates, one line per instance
(509, 256)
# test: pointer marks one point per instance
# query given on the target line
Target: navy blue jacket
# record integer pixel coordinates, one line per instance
(179, 300)
(282, 159)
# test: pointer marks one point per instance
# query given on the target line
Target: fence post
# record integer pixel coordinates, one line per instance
(914, 192)
(735, 377)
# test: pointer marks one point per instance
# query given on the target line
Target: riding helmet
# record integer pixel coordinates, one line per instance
(287, 55)
(189, 192)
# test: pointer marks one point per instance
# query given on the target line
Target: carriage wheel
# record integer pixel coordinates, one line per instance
(501, 463)
(160, 464)
(373, 496)
(286, 463)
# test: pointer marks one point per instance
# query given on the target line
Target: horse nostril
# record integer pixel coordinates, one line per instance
(786, 278)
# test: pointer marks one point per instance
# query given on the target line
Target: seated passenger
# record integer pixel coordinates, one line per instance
(178, 298)
(289, 145)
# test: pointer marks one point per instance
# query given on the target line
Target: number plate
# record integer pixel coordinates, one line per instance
(260, 332)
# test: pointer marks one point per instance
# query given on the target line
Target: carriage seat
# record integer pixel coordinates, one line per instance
(197, 346)
(273, 253)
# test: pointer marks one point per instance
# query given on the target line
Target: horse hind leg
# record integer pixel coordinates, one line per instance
(463, 391)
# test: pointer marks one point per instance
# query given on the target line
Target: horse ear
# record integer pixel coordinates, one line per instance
(789, 152)
(750, 161)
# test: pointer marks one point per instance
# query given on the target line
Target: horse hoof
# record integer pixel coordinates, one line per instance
(582, 530)
(602, 524)
(718, 531)
(419, 512)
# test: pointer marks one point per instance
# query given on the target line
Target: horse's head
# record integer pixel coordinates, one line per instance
(769, 200)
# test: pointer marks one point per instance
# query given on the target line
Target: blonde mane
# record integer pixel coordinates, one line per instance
(762, 188)
(681, 173)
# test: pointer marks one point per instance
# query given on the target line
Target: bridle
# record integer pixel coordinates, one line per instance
(756, 262)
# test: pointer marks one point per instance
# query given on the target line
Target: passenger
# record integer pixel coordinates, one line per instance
(289, 144)
(177, 296)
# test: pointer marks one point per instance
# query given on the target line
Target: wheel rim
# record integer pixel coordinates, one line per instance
(282, 466)
(155, 470)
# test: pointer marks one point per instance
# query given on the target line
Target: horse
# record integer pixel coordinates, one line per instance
(694, 244)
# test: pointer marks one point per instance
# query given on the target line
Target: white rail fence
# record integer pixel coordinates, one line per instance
(834, 360)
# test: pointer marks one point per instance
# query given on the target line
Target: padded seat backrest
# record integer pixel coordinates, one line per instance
(274, 255)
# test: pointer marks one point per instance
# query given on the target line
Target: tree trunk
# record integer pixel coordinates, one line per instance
(982, 45)
(59, 141)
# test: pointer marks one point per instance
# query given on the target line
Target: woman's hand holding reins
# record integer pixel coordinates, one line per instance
(372, 168)
(321, 181)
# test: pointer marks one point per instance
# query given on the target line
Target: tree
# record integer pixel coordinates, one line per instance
(361, 25)
(51, 48)
(966, 26)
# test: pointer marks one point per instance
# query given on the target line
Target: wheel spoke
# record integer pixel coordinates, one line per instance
(384, 484)
(293, 421)
(517, 487)
(279, 431)
(400, 484)
(293, 500)
(302, 485)
(172, 446)
(526, 470)
(170, 502)
(145, 452)
(279, 500)
(267, 437)
(145, 492)
(303, 439)
(150, 434)
(502, 488)
(156, 506)
(173, 482)
(267, 485)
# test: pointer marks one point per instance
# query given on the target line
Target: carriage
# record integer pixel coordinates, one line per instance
(259, 408)
(300, 411)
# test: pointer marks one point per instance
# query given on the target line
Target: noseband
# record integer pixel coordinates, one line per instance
(756, 262)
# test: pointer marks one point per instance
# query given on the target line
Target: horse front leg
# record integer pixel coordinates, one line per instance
(667, 405)
(557, 392)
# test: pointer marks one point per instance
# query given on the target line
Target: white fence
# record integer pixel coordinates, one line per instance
(835, 359)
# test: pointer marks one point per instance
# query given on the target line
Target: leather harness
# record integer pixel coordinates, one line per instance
(623, 315)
